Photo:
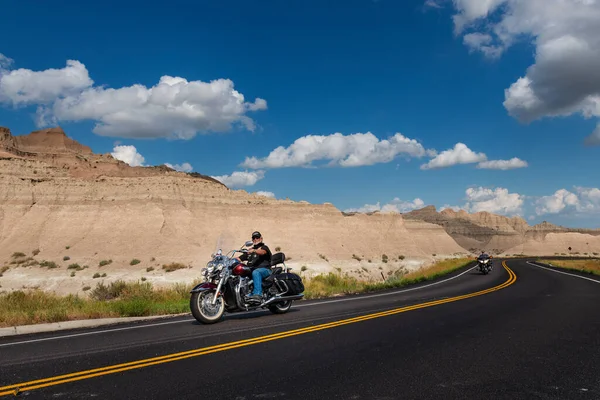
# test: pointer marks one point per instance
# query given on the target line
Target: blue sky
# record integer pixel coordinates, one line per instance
(435, 72)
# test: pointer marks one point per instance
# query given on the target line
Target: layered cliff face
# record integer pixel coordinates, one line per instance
(60, 200)
(508, 235)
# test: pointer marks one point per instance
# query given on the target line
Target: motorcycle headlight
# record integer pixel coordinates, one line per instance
(485, 261)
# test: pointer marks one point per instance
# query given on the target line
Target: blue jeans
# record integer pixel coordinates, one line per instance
(257, 276)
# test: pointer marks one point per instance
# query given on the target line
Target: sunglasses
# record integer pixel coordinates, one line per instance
(255, 237)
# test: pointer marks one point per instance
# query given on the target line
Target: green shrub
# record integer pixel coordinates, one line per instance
(76, 267)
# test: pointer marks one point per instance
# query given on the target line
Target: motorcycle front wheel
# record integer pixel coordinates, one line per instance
(203, 310)
(281, 308)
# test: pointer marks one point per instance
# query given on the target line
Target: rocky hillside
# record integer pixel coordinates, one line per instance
(70, 218)
(63, 204)
(504, 235)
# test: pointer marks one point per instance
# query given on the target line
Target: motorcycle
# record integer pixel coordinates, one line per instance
(228, 282)
(484, 263)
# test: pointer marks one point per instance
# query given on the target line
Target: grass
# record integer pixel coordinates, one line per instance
(3, 270)
(134, 261)
(591, 266)
(23, 261)
(122, 299)
(336, 284)
(118, 299)
(77, 267)
(149, 269)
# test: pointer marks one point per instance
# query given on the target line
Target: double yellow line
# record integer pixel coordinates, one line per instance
(113, 369)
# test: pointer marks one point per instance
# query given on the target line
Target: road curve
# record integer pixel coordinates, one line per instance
(531, 333)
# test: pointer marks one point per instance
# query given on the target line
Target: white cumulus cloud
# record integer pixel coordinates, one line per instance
(396, 205)
(174, 107)
(594, 138)
(582, 201)
(460, 154)
(129, 155)
(565, 78)
(185, 167)
(21, 86)
(240, 178)
(503, 164)
(449, 207)
(5, 62)
(498, 201)
(266, 194)
(352, 150)
(482, 42)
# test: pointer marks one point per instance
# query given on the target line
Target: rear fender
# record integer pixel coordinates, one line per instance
(204, 286)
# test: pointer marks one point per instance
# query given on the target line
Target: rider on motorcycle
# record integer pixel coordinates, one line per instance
(259, 259)
(485, 256)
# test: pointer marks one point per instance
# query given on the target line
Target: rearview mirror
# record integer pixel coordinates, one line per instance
(248, 243)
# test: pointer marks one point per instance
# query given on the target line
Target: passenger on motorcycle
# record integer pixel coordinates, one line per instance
(259, 259)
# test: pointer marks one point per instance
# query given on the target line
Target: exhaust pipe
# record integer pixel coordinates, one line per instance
(278, 299)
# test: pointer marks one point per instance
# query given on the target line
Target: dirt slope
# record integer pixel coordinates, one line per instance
(57, 197)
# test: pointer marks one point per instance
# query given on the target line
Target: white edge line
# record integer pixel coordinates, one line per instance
(188, 320)
(93, 333)
(564, 273)
(385, 294)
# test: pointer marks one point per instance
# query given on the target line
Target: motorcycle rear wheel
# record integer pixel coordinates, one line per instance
(205, 312)
(281, 308)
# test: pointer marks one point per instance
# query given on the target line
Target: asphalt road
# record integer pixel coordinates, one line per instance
(523, 332)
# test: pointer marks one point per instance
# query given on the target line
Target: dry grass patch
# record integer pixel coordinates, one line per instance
(48, 264)
(3, 270)
(591, 266)
(173, 267)
(117, 299)
(337, 284)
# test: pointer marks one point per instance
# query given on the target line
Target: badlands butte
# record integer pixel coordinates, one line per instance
(61, 203)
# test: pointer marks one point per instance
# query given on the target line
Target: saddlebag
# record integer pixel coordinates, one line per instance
(290, 282)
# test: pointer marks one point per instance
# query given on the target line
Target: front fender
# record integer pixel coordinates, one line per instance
(201, 287)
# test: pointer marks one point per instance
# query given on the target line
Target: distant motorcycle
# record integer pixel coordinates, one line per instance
(484, 263)
(228, 282)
